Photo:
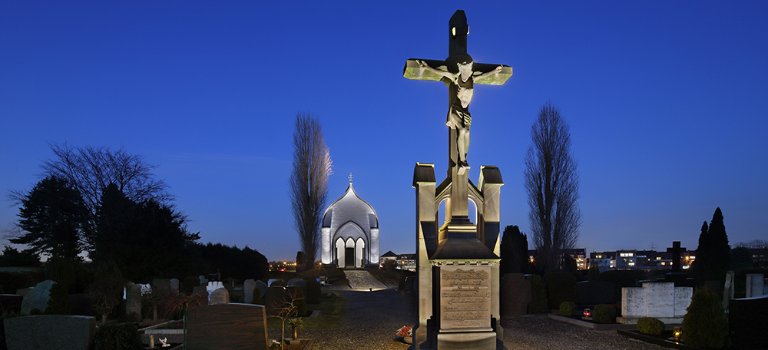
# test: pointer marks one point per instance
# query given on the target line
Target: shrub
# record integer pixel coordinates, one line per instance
(604, 313)
(117, 336)
(567, 309)
(561, 286)
(58, 304)
(650, 326)
(705, 325)
(538, 304)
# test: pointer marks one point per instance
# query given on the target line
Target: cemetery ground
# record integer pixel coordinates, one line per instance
(356, 319)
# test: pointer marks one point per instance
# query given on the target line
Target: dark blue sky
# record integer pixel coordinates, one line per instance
(667, 103)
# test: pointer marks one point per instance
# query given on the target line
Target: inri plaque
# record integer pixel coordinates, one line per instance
(465, 299)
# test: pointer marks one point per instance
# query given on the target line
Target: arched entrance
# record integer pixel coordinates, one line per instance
(350, 253)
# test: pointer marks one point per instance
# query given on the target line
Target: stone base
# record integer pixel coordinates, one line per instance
(633, 320)
(466, 340)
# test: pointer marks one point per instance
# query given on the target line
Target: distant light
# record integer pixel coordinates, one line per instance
(677, 333)
(453, 31)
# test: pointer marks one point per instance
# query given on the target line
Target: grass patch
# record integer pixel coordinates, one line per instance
(331, 312)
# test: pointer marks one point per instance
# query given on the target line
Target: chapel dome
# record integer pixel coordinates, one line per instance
(350, 207)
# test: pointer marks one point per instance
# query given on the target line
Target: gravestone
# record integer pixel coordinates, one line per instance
(248, 287)
(755, 284)
(296, 282)
(161, 286)
(49, 332)
(457, 260)
(275, 299)
(133, 301)
(276, 282)
(37, 298)
(226, 326)
(174, 286)
(515, 295)
(660, 300)
(747, 320)
(261, 289)
(10, 303)
(313, 292)
(728, 290)
(219, 296)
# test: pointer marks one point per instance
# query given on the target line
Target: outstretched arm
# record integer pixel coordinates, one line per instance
(440, 72)
(497, 70)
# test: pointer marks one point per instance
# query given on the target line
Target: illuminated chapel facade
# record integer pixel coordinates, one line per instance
(350, 232)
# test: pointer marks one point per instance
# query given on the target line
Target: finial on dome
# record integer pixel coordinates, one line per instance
(350, 178)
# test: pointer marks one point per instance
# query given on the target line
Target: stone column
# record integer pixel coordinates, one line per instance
(424, 183)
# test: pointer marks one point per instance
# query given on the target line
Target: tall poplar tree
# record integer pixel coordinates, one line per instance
(309, 183)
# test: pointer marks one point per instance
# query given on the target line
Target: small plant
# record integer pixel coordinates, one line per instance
(295, 323)
(288, 310)
(604, 313)
(705, 325)
(650, 326)
(567, 309)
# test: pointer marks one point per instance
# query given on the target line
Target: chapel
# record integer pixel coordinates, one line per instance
(350, 232)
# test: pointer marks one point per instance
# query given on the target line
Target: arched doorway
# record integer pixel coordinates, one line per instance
(359, 253)
(349, 253)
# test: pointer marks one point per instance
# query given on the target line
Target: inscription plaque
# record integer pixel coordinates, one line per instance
(465, 298)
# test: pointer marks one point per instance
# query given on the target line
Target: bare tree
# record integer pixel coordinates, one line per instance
(90, 170)
(553, 190)
(309, 183)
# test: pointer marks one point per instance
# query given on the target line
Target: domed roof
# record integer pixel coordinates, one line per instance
(350, 207)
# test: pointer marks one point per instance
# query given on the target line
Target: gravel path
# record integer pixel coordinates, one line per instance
(540, 332)
(370, 321)
(371, 318)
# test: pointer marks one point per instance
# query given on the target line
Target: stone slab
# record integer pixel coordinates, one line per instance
(37, 298)
(219, 296)
(226, 326)
(661, 300)
(249, 286)
(465, 297)
(755, 284)
(49, 332)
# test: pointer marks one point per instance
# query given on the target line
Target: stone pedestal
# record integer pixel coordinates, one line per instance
(458, 264)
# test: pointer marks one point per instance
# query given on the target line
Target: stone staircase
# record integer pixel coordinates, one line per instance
(363, 280)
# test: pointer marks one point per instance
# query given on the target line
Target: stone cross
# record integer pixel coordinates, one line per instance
(460, 88)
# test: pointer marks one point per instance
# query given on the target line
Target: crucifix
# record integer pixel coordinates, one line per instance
(460, 74)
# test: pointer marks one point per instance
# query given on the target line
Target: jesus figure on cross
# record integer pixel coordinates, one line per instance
(461, 87)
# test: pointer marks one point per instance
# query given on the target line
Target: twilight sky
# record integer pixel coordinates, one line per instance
(667, 103)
